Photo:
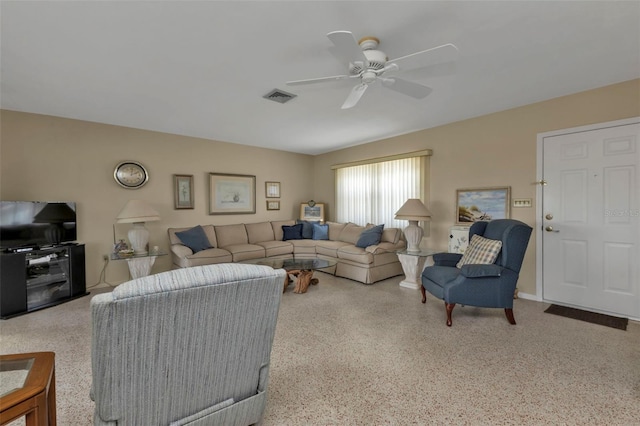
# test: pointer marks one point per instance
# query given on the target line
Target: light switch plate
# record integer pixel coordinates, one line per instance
(522, 202)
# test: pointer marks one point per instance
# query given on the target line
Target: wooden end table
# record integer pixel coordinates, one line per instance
(28, 388)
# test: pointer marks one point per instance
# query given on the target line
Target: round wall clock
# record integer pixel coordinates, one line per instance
(130, 175)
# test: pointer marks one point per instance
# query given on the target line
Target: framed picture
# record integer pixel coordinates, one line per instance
(313, 213)
(272, 189)
(232, 194)
(477, 204)
(183, 191)
(273, 205)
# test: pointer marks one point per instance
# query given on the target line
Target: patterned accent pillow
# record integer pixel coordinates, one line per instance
(481, 250)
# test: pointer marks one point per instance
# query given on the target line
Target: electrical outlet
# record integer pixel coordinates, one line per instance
(105, 257)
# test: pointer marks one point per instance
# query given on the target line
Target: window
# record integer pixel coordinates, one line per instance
(372, 193)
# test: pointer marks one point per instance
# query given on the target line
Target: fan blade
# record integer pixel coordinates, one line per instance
(319, 80)
(347, 48)
(405, 87)
(354, 96)
(436, 55)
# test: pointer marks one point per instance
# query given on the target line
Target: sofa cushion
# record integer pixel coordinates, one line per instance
(320, 232)
(334, 229)
(370, 236)
(391, 235)
(277, 248)
(194, 238)
(245, 251)
(329, 248)
(303, 246)
(480, 251)
(277, 228)
(355, 254)
(307, 228)
(228, 235)
(293, 232)
(207, 257)
(349, 234)
(259, 232)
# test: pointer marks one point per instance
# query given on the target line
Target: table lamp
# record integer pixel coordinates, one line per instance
(138, 212)
(413, 210)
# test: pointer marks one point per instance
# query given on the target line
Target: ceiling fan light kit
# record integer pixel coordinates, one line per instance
(367, 63)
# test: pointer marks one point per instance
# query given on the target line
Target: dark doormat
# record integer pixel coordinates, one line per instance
(594, 317)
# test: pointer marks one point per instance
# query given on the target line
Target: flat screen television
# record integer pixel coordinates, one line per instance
(25, 224)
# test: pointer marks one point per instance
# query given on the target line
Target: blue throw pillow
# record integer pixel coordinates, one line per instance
(320, 232)
(307, 229)
(370, 236)
(293, 232)
(194, 238)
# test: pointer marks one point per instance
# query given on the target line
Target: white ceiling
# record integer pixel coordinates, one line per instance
(201, 68)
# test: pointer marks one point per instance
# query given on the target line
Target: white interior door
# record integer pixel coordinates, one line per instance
(591, 219)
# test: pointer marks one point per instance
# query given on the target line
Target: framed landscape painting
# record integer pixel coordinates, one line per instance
(232, 194)
(478, 204)
(313, 213)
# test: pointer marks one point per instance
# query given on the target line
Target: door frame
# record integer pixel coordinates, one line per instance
(539, 175)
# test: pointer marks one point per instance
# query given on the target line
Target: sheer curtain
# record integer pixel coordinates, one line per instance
(372, 193)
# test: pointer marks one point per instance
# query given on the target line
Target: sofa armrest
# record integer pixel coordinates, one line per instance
(383, 247)
(446, 259)
(478, 271)
(181, 250)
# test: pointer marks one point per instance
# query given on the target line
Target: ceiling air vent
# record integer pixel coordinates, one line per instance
(280, 96)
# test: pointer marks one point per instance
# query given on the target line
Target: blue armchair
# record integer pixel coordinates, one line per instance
(482, 285)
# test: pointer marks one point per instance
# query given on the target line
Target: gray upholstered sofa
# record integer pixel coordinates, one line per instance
(185, 347)
(238, 242)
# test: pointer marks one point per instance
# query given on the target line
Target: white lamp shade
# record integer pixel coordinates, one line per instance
(413, 209)
(137, 211)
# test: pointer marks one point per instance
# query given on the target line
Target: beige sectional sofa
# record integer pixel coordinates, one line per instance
(235, 243)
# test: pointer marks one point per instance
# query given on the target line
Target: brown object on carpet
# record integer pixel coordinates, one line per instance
(593, 317)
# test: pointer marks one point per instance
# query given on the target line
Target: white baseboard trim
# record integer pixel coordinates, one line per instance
(528, 296)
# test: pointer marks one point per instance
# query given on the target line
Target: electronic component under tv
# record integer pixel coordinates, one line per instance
(36, 224)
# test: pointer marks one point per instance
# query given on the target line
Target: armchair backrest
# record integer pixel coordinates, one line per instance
(514, 236)
(184, 342)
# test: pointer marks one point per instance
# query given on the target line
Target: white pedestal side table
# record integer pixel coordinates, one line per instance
(412, 265)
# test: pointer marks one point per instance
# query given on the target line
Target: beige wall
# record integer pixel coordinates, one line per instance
(47, 158)
(492, 150)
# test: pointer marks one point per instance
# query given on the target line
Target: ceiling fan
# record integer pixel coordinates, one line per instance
(369, 65)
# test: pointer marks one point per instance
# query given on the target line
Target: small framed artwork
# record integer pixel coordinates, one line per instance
(232, 194)
(273, 205)
(476, 204)
(183, 191)
(272, 189)
(313, 213)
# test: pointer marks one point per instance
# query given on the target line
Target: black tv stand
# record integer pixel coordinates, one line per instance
(41, 277)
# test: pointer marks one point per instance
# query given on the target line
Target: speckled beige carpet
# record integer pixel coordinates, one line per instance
(350, 354)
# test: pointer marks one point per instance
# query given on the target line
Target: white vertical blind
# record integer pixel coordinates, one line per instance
(372, 193)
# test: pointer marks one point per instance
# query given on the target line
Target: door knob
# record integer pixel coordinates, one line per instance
(550, 229)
